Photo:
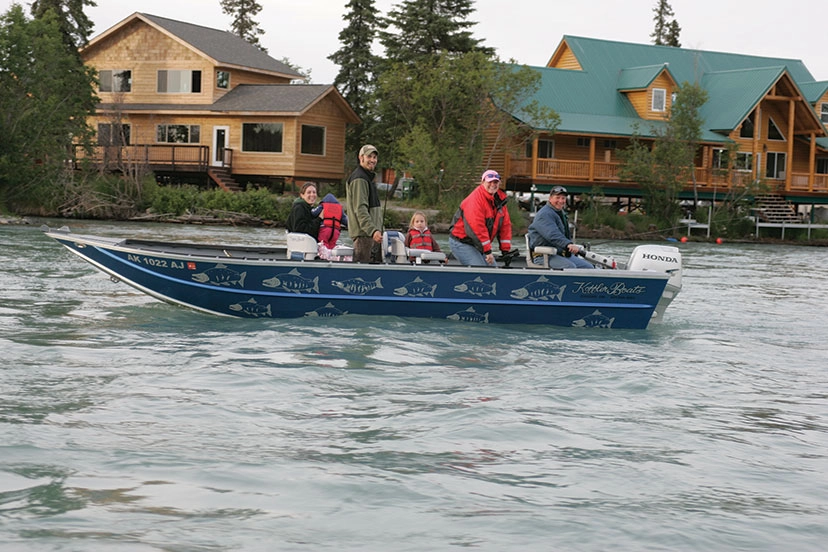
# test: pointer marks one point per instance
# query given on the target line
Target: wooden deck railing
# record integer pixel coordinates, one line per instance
(706, 178)
(169, 157)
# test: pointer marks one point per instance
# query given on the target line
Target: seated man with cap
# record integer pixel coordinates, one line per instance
(551, 228)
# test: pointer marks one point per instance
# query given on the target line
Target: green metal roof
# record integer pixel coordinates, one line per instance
(590, 100)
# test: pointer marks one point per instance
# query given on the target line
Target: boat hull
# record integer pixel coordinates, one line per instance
(263, 283)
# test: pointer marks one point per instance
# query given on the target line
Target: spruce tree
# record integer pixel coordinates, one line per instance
(428, 27)
(243, 12)
(357, 67)
(666, 31)
(75, 27)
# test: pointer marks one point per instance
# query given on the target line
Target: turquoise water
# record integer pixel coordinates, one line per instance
(128, 424)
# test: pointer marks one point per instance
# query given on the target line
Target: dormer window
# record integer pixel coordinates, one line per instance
(223, 79)
(659, 99)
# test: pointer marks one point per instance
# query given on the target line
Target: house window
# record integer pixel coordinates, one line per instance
(744, 161)
(822, 165)
(262, 137)
(179, 81)
(659, 99)
(747, 127)
(610, 144)
(773, 131)
(775, 165)
(113, 134)
(178, 134)
(223, 79)
(583, 142)
(115, 80)
(824, 115)
(546, 149)
(313, 140)
(720, 160)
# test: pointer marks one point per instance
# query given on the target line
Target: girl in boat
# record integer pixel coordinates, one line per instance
(301, 218)
(419, 236)
(333, 219)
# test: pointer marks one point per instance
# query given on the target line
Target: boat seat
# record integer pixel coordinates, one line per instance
(420, 255)
(301, 247)
(393, 247)
(544, 250)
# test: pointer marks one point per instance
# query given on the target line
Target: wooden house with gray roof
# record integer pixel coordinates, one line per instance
(186, 100)
(604, 91)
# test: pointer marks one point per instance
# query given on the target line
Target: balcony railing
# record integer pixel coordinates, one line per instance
(168, 157)
(706, 178)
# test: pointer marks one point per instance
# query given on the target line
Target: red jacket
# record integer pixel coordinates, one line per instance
(332, 215)
(481, 218)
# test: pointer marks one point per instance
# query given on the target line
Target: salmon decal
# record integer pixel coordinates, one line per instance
(328, 311)
(252, 308)
(220, 275)
(357, 286)
(594, 320)
(476, 287)
(540, 290)
(469, 315)
(416, 288)
(293, 281)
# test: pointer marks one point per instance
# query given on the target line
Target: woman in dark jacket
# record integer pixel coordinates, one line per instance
(301, 219)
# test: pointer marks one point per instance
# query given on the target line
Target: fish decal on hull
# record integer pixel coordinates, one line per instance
(328, 311)
(540, 290)
(476, 287)
(416, 288)
(357, 286)
(220, 275)
(470, 315)
(293, 281)
(252, 308)
(594, 320)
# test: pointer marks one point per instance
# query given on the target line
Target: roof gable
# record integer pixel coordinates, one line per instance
(639, 78)
(222, 47)
(292, 99)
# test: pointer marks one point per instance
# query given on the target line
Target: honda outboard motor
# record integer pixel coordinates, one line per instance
(661, 258)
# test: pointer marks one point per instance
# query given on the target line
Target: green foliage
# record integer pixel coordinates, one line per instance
(46, 95)
(666, 31)
(357, 68)
(181, 200)
(244, 25)
(75, 26)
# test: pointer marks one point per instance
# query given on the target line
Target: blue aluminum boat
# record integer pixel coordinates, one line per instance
(291, 281)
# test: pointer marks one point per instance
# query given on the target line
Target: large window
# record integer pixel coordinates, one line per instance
(775, 165)
(824, 114)
(822, 165)
(262, 137)
(179, 81)
(178, 134)
(546, 149)
(747, 127)
(773, 131)
(313, 140)
(659, 99)
(744, 161)
(115, 80)
(223, 79)
(116, 134)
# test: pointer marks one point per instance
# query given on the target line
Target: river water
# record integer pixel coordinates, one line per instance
(130, 425)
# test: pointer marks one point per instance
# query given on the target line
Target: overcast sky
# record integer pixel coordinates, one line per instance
(307, 31)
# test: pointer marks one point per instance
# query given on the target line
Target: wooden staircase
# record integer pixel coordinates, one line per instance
(224, 179)
(775, 208)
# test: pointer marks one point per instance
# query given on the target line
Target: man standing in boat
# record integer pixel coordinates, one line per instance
(364, 208)
(551, 229)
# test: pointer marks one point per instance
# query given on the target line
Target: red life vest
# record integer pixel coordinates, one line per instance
(332, 215)
(420, 240)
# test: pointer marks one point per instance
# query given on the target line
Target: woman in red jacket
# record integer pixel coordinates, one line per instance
(481, 218)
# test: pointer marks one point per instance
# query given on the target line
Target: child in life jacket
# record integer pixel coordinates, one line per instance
(419, 236)
(333, 218)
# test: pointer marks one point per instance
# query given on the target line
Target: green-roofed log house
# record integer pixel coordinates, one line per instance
(190, 101)
(772, 108)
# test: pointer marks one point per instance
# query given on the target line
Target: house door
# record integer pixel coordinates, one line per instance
(221, 136)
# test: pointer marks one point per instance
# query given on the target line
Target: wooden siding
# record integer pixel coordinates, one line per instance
(144, 51)
(565, 60)
(642, 100)
(328, 114)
